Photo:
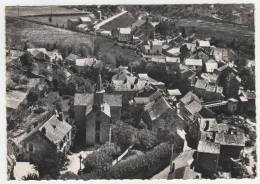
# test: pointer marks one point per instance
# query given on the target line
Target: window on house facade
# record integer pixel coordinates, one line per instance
(97, 131)
(30, 148)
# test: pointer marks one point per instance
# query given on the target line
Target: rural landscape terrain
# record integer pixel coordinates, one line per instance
(130, 92)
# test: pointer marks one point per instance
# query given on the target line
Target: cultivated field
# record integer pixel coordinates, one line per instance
(38, 10)
(19, 31)
(60, 21)
(214, 26)
(123, 21)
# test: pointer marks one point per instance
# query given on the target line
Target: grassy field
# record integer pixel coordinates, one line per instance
(19, 31)
(56, 20)
(12, 11)
(123, 21)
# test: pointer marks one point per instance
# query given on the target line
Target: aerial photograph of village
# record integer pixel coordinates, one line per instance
(130, 92)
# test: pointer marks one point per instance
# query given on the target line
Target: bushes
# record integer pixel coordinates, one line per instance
(49, 163)
(99, 161)
(126, 135)
(143, 166)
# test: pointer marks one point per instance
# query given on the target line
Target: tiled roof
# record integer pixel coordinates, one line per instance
(208, 147)
(230, 139)
(156, 108)
(56, 129)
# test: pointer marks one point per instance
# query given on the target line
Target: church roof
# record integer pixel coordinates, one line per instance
(113, 100)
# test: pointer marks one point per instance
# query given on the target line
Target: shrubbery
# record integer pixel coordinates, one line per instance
(100, 160)
(142, 166)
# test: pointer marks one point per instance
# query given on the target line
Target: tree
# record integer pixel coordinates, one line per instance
(33, 96)
(49, 163)
(109, 59)
(27, 60)
(31, 177)
(124, 135)
(100, 160)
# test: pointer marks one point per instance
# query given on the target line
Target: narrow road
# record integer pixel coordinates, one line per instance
(97, 26)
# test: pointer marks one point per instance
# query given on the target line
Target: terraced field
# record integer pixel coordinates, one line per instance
(38, 10)
(20, 31)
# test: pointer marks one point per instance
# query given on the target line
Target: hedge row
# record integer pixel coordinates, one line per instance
(143, 166)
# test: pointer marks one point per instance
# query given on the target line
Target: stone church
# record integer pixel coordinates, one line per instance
(95, 113)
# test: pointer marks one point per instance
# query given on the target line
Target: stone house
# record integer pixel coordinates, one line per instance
(94, 114)
(72, 23)
(124, 34)
(194, 64)
(189, 106)
(54, 135)
(207, 157)
(144, 29)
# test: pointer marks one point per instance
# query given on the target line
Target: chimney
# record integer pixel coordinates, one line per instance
(125, 80)
(43, 131)
(136, 81)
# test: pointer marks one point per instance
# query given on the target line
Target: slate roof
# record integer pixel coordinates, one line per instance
(201, 84)
(207, 113)
(172, 59)
(208, 147)
(210, 88)
(184, 159)
(156, 108)
(193, 62)
(82, 99)
(211, 126)
(113, 100)
(230, 139)
(190, 96)
(125, 30)
(14, 98)
(56, 129)
(210, 77)
(16, 53)
(194, 107)
(86, 62)
(174, 51)
(203, 43)
(141, 100)
(211, 65)
(72, 57)
(85, 19)
(174, 92)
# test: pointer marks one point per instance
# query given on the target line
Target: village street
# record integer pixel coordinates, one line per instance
(74, 165)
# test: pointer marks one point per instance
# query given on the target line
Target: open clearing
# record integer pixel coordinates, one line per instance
(60, 21)
(38, 10)
(120, 22)
(19, 31)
